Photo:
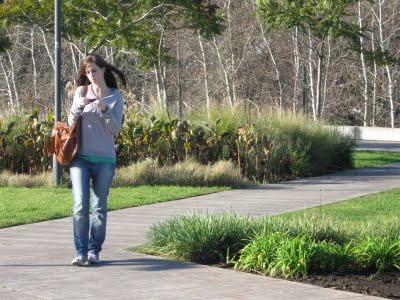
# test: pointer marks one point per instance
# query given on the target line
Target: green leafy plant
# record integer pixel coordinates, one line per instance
(200, 238)
(260, 253)
(377, 253)
(265, 148)
(293, 257)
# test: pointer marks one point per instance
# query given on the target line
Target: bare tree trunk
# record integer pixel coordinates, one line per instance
(232, 61)
(107, 54)
(311, 76)
(226, 76)
(204, 63)
(387, 68)
(163, 88)
(318, 87)
(277, 74)
(32, 50)
(180, 102)
(276, 69)
(296, 58)
(158, 86)
(75, 63)
(112, 55)
(47, 48)
(364, 68)
(14, 85)
(160, 77)
(327, 66)
(390, 94)
(9, 89)
(374, 76)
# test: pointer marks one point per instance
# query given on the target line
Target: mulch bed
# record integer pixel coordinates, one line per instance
(385, 285)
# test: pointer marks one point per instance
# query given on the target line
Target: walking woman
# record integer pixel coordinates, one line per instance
(100, 104)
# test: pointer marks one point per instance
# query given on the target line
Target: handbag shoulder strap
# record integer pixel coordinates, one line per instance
(79, 119)
(85, 90)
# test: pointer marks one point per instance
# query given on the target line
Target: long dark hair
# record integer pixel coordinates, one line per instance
(109, 78)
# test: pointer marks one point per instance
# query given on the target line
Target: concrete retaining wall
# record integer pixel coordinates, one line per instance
(371, 133)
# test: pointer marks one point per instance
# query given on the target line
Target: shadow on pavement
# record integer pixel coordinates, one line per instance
(142, 264)
(148, 264)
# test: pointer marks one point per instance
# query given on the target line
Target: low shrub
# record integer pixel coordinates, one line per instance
(264, 146)
(260, 253)
(22, 140)
(329, 256)
(269, 247)
(316, 227)
(293, 256)
(201, 238)
(377, 254)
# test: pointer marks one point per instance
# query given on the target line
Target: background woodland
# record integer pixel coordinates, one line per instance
(244, 61)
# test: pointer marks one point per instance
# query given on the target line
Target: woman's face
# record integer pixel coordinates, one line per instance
(95, 73)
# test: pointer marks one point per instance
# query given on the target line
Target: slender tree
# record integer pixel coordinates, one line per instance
(323, 21)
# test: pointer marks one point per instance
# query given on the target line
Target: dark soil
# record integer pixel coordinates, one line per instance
(385, 285)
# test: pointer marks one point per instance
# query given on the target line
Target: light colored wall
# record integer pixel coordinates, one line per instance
(370, 133)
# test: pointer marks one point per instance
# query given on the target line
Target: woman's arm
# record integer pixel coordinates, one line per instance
(113, 117)
(76, 108)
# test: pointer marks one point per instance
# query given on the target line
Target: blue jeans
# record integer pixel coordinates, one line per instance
(90, 233)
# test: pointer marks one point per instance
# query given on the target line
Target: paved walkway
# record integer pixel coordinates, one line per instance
(378, 146)
(34, 259)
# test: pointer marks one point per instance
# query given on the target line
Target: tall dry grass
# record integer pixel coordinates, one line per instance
(147, 172)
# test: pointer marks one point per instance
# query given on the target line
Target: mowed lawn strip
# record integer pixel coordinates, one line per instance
(29, 205)
(368, 159)
(379, 208)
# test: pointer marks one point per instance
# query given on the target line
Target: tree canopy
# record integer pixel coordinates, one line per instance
(125, 24)
(320, 18)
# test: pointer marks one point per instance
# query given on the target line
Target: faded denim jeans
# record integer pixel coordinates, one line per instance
(90, 232)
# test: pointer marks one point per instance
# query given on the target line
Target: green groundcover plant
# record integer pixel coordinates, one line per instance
(271, 246)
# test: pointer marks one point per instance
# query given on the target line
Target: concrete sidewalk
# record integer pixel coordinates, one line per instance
(378, 146)
(35, 259)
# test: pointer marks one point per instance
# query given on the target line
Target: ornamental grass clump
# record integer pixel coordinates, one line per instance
(315, 226)
(8, 179)
(201, 238)
(377, 254)
(280, 254)
(276, 246)
(185, 173)
(260, 254)
(329, 257)
(293, 256)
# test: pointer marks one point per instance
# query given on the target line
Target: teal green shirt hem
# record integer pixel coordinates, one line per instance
(98, 159)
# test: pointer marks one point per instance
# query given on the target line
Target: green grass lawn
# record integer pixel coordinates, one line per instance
(28, 205)
(379, 209)
(368, 159)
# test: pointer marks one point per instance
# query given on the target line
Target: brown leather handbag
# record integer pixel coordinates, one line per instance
(64, 141)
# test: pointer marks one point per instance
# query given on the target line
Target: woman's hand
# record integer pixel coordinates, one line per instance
(101, 105)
